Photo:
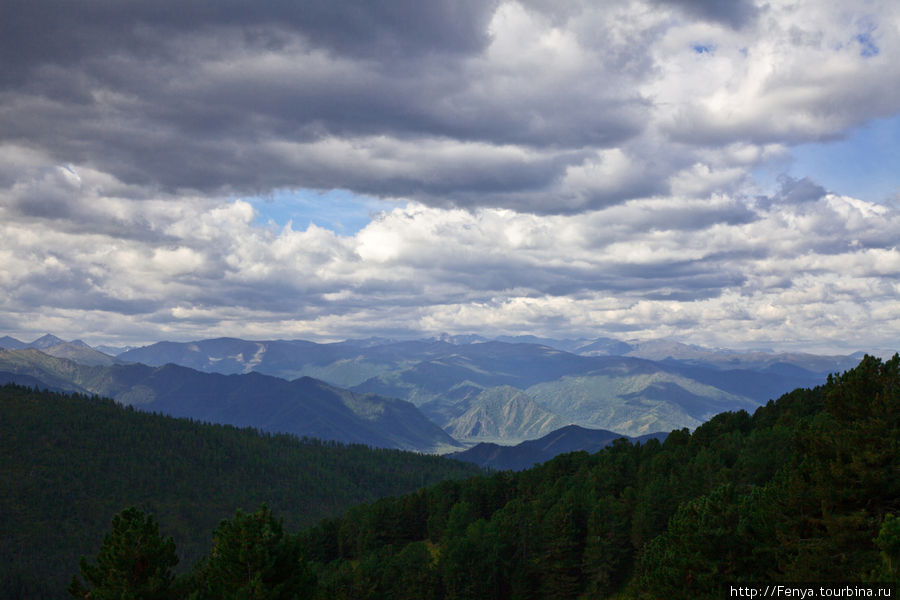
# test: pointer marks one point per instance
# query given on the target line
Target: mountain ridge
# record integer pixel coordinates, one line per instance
(631, 387)
(304, 407)
(571, 438)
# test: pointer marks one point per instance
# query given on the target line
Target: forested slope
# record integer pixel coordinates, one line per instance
(304, 407)
(804, 490)
(70, 462)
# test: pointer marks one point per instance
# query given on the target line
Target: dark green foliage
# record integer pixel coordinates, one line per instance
(564, 529)
(701, 547)
(252, 558)
(818, 517)
(888, 541)
(805, 489)
(794, 492)
(69, 462)
(134, 563)
(607, 552)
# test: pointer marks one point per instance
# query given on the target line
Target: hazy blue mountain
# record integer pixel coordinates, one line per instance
(761, 384)
(604, 347)
(488, 364)
(352, 362)
(670, 351)
(51, 372)
(371, 341)
(624, 394)
(11, 343)
(631, 387)
(112, 350)
(81, 353)
(564, 345)
(220, 355)
(304, 407)
(76, 350)
(27, 380)
(45, 341)
(570, 438)
(343, 364)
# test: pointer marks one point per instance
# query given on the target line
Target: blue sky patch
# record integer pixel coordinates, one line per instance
(341, 211)
(864, 164)
(867, 45)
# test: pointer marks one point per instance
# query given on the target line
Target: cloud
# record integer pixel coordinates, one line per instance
(758, 85)
(802, 264)
(734, 14)
(573, 166)
(541, 108)
(60, 32)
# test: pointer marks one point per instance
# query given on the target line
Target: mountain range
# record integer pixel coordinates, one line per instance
(570, 438)
(305, 406)
(506, 390)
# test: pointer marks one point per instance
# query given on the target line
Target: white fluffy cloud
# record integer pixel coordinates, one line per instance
(819, 272)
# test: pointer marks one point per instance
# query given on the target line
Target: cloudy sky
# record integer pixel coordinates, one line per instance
(719, 173)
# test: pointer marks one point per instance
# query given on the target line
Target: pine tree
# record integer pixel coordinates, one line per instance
(135, 562)
(253, 558)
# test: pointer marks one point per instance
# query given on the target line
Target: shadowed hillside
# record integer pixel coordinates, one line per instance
(304, 407)
(70, 462)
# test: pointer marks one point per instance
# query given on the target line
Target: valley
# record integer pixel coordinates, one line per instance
(506, 390)
(578, 512)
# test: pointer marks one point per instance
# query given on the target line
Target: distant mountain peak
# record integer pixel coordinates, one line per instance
(46, 341)
(371, 342)
(11, 343)
(460, 340)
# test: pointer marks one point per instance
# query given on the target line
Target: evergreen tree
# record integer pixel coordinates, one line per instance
(608, 549)
(888, 541)
(252, 558)
(564, 535)
(412, 574)
(134, 563)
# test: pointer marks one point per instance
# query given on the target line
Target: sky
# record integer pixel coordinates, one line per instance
(718, 173)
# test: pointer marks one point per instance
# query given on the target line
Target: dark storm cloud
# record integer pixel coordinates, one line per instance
(204, 96)
(45, 207)
(63, 32)
(734, 13)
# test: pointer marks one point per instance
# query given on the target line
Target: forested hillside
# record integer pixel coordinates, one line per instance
(804, 490)
(304, 407)
(70, 462)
